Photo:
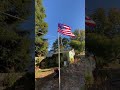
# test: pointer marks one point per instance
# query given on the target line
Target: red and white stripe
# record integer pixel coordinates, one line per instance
(66, 32)
(67, 27)
(89, 21)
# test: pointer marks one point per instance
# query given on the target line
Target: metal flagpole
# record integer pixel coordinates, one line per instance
(59, 61)
(61, 44)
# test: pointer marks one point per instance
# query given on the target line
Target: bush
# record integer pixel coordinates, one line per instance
(88, 80)
(26, 82)
(10, 79)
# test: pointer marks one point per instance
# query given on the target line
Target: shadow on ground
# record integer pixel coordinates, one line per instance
(42, 83)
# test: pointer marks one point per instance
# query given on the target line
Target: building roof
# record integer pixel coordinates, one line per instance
(51, 53)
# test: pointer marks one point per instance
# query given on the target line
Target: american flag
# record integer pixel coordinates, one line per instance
(89, 21)
(65, 30)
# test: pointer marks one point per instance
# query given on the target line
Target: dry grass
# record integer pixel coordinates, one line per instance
(43, 73)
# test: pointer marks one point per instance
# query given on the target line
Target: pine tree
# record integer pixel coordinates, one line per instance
(14, 46)
(41, 44)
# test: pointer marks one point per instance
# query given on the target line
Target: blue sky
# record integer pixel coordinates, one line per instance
(67, 12)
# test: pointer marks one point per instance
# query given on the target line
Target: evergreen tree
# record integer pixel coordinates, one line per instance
(78, 43)
(104, 41)
(14, 45)
(41, 44)
(64, 44)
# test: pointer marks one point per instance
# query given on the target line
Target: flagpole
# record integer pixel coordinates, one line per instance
(59, 60)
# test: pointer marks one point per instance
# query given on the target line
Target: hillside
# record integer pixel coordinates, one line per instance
(72, 78)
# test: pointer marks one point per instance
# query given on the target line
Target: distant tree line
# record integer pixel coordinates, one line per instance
(77, 43)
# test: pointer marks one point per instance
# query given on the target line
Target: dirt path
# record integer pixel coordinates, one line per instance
(42, 77)
(72, 78)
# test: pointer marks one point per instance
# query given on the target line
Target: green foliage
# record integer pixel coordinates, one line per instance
(41, 45)
(40, 29)
(75, 44)
(88, 81)
(20, 8)
(79, 42)
(114, 16)
(14, 51)
(64, 44)
(14, 46)
(21, 81)
(106, 23)
(104, 41)
(10, 79)
(104, 47)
